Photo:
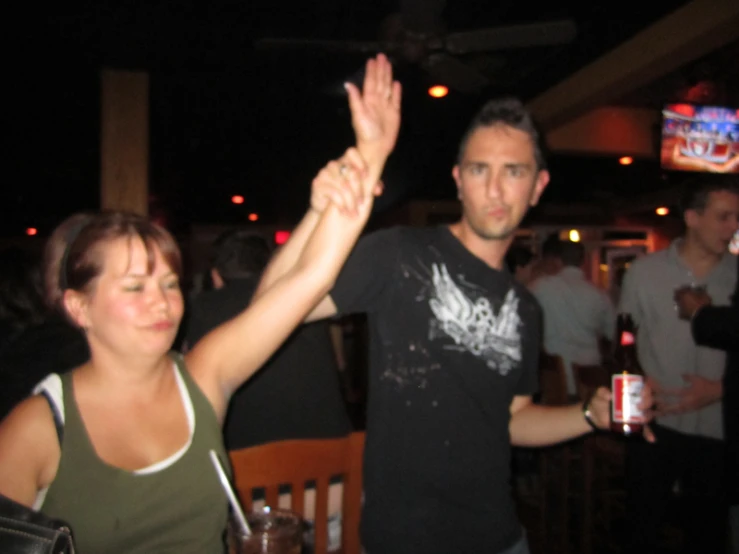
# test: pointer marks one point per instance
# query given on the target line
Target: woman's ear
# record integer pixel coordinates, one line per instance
(76, 303)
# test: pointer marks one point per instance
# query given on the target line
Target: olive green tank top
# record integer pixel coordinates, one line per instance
(180, 508)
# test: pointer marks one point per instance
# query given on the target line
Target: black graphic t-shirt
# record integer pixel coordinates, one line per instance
(452, 342)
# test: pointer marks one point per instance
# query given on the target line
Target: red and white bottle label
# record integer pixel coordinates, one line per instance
(626, 389)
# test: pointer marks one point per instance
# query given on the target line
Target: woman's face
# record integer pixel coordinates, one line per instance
(131, 312)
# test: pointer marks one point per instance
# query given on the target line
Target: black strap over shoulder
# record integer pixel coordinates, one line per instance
(58, 423)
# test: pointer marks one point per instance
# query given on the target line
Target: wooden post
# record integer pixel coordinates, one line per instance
(124, 141)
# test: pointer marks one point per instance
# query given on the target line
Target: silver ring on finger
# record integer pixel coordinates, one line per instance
(343, 169)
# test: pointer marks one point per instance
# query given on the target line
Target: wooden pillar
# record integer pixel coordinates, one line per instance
(124, 141)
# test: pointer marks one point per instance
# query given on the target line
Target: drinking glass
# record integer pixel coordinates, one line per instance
(274, 531)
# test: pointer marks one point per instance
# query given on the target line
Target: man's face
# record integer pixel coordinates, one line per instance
(497, 180)
(713, 228)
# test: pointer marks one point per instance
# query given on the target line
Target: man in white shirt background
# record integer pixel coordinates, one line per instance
(577, 314)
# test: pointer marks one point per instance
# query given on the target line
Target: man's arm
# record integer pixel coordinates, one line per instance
(717, 327)
(698, 391)
(536, 425)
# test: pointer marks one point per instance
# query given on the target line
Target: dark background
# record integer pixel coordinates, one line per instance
(229, 119)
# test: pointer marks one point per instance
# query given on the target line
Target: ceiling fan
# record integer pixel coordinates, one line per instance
(417, 35)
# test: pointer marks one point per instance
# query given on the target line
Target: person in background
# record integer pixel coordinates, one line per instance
(718, 327)
(21, 301)
(35, 341)
(296, 394)
(120, 447)
(550, 261)
(520, 262)
(689, 454)
(577, 314)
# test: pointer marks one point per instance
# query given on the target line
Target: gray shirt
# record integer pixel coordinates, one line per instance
(576, 315)
(665, 346)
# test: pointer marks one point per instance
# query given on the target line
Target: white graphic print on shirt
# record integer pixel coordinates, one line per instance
(473, 325)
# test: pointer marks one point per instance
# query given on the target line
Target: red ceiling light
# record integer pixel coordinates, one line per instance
(32, 231)
(438, 91)
(626, 160)
(662, 210)
(253, 217)
(237, 199)
(281, 237)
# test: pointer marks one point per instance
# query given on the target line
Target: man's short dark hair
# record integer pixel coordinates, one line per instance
(552, 247)
(240, 253)
(572, 253)
(511, 112)
(696, 195)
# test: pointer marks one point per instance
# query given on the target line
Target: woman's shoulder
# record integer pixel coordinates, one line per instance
(38, 412)
(31, 413)
(29, 449)
(29, 429)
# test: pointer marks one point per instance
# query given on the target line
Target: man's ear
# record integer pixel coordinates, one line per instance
(215, 276)
(76, 304)
(457, 180)
(542, 180)
(691, 218)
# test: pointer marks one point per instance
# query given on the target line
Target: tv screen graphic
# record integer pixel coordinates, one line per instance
(700, 138)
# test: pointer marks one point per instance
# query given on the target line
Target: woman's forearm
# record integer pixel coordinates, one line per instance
(331, 241)
(288, 255)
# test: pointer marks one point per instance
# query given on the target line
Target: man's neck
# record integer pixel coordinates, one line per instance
(699, 260)
(490, 251)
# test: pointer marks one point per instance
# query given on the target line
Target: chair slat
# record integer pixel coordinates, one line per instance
(294, 462)
(298, 498)
(271, 495)
(321, 522)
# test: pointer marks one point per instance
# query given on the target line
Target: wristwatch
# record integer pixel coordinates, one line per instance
(588, 415)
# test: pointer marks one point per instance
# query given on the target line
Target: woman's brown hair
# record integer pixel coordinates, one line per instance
(73, 257)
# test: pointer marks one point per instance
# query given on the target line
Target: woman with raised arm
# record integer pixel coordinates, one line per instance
(119, 446)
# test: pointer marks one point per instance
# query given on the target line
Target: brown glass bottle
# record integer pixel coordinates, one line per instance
(627, 380)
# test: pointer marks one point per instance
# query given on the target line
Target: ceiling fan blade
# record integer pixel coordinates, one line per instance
(422, 17)
(453, 73)
(512, 36)
(351, 46)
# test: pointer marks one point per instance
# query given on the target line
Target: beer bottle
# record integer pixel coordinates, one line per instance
(627, 380)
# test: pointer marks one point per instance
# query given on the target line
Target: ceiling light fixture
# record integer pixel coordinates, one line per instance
(438, 91)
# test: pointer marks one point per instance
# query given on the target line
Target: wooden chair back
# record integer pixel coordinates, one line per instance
(552, 380)
(588, 378)
(295, 462)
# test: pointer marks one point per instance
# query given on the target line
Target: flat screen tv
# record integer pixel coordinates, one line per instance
(700, 138)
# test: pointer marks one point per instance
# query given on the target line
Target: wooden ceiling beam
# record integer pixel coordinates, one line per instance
(609, 131)
(687, 34)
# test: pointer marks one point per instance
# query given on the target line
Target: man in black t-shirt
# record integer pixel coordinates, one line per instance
(454, 347)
